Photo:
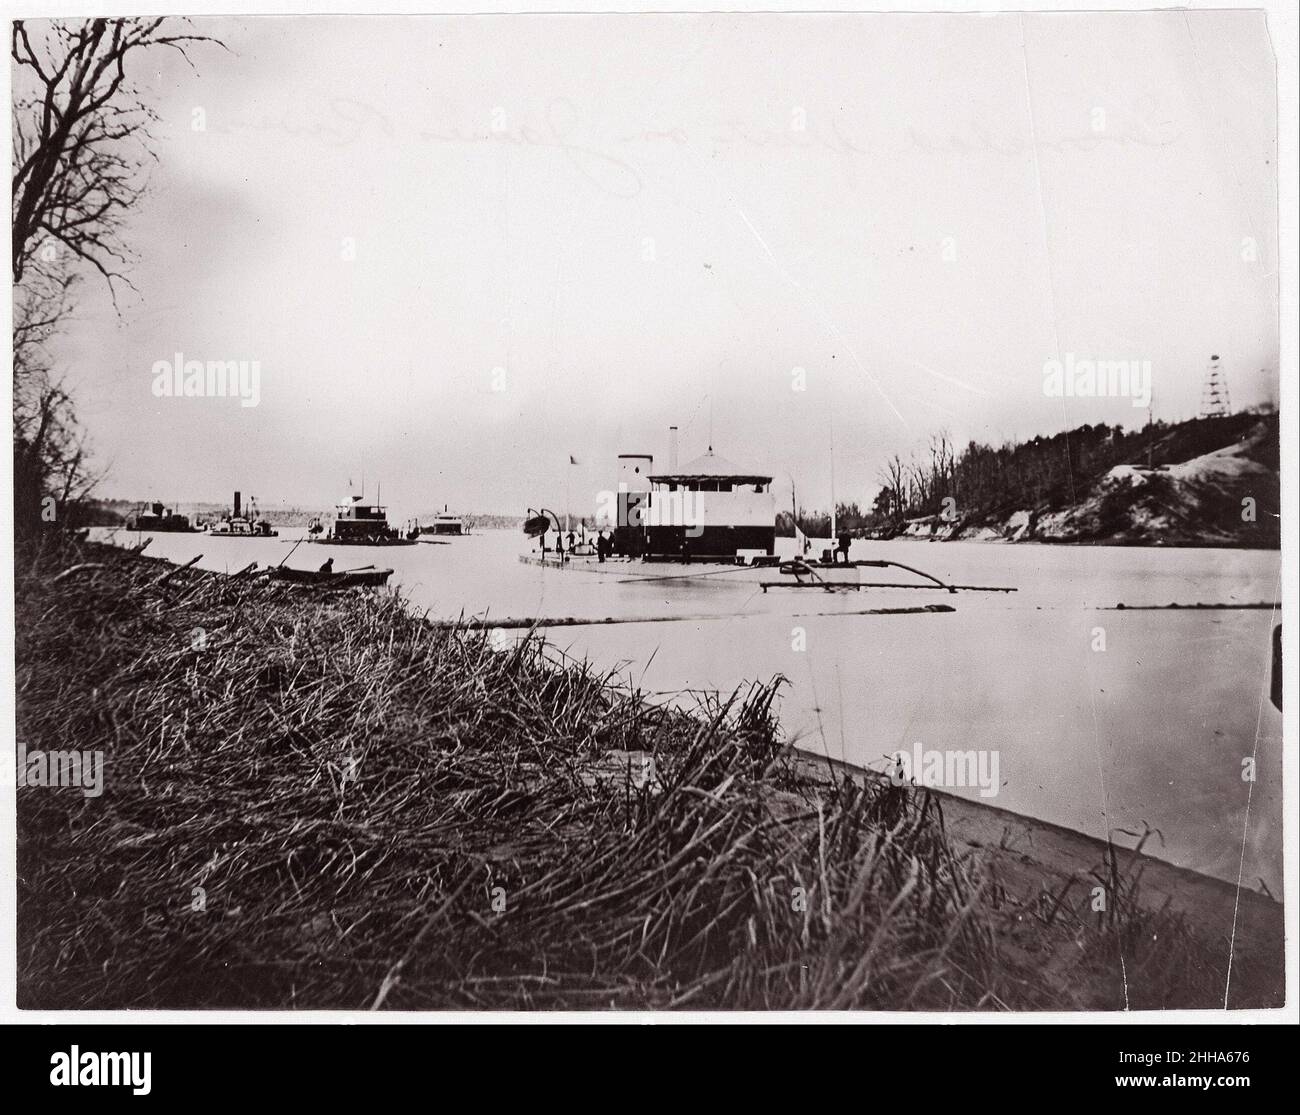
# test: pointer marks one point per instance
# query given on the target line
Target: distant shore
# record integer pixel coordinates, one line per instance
(1208, 483)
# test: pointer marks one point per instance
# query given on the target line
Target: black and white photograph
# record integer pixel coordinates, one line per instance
(651, 514)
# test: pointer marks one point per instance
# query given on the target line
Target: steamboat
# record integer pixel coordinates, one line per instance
(236, 524)
(357, 523)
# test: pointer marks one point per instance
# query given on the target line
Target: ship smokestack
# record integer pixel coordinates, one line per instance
(672, 449)
(236, 505)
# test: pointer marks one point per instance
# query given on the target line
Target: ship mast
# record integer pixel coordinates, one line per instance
(834, 522)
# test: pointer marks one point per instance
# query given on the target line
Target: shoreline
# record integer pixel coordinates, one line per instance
(1066, 853)
(1085, 843)
(1103, 543)
(1027, 873)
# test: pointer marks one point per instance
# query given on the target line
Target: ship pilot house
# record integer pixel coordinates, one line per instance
(710, 508)
(359, 522)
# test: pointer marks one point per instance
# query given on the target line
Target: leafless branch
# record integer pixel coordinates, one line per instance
(81, 137)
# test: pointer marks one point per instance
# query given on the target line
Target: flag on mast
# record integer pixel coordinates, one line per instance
(568, 518)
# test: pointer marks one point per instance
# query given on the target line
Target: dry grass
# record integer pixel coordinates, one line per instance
(373, 811)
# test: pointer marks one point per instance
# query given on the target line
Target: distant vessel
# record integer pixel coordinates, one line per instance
(162, 519)
(238, 525)
(444, 523)
(357, 523)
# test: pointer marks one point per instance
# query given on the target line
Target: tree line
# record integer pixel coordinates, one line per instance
(1046, 472)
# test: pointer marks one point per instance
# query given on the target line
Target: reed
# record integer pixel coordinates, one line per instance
(329, 801)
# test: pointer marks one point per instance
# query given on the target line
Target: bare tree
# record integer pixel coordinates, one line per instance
(50, 449)
(892, 478)
(942, 478)
(81, 135)
(80, 145)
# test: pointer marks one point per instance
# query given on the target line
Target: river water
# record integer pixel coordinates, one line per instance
(1101, 719)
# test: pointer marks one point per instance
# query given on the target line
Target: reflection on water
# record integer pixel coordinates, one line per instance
(1150, 731)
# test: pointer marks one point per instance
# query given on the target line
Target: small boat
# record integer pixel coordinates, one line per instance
(348, 578)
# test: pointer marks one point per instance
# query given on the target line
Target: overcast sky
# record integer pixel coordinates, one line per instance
(654, 220)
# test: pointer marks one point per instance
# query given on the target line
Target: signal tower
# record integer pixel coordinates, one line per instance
(1214, 395)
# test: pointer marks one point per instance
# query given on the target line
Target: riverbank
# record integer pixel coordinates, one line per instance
(1200, 483)
(326, 801)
